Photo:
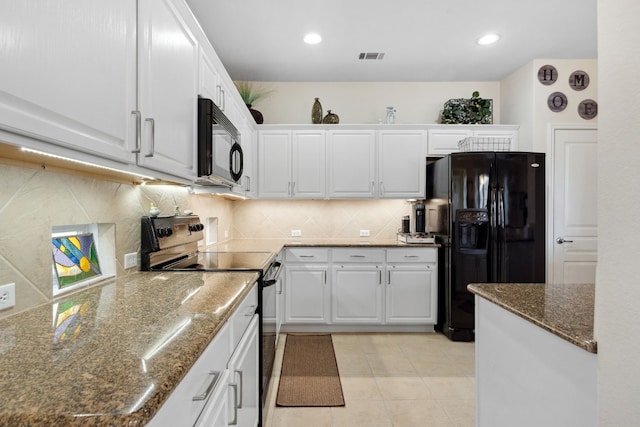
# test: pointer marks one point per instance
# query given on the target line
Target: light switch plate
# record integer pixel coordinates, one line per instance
(130, 260)
(7, 296)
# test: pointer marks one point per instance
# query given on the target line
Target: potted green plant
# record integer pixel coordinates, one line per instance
(475, 110)
(250, 95)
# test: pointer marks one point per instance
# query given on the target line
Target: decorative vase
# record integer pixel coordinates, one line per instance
(316, 112)
(257, 115)
(331, 118)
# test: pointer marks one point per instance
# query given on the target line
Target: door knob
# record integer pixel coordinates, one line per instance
(560, 241)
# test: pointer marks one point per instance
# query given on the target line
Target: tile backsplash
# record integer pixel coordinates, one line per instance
(34, 200)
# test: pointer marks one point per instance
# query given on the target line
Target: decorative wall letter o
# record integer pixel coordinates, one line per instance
(557, 102)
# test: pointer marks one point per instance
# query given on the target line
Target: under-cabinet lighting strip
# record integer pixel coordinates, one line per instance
(55, 156)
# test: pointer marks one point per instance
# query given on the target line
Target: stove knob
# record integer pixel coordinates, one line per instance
(160, 232)
(168, 231)
(200, 227)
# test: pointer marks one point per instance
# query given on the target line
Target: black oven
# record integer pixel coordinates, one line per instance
(220, 157)
(171, 244)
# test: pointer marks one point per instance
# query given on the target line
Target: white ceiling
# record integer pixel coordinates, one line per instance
(423, 40)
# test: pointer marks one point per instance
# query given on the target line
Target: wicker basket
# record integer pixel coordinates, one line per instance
(484, 144)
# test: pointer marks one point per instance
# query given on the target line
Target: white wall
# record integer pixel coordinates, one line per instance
(366, 102)
(617, 325)
(524, 99)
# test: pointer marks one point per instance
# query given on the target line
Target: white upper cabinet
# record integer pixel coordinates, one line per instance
(67, 73)
(402, 163)
(291, 164)
(308, 164)
(168, 87)
(444, 139)
(274, 169)
(352, 163)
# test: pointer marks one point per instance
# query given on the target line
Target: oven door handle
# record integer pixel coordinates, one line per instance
(268, 283)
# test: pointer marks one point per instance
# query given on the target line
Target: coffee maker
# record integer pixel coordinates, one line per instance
(419, 217)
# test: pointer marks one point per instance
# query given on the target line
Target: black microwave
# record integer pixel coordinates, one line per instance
(220, 158)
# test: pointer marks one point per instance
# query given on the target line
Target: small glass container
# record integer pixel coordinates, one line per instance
(391, 115)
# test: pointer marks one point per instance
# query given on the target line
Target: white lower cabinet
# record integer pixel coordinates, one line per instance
(244, 379)
(411, 286)
(204, 388)
(368, 286)
(356, 286)
(222, 386)
(307, 291)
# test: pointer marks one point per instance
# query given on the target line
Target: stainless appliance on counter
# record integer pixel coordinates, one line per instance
(170, 243)
(490, 210)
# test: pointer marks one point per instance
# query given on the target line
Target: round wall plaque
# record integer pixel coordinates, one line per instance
(588, 109)
(579, 80)
(557, 102)
(547, 75)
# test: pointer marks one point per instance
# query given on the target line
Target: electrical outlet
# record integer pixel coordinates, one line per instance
(130, 260)
(226, 234)
(7, 296)
(296, 233)
(364, 233)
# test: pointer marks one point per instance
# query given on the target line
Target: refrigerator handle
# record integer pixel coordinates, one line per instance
(502, 250)
(501, 218)
(492, 208)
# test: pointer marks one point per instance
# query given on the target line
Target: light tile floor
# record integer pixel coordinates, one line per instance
(399, 380)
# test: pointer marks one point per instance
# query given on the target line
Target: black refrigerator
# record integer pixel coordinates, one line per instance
(487, 210)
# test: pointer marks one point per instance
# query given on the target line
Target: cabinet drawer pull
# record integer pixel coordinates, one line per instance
(307, 256)
(138, 130)
(210, 387)
(411, 256)
(234, 421)
(152, 137)
(239, 400)
(356, 256)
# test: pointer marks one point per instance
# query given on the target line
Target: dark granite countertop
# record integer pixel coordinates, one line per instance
(276, 245)
(106, 368)
(564, 310)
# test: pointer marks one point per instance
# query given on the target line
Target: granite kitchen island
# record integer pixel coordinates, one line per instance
(535, 355)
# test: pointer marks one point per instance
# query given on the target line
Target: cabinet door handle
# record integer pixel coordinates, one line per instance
(138, 130)
(381, 187)
(251, 311)
(239, 400)
(248, 183)
(235, 405)
(388, 277)
(289, 189)
(211, 386)
(325, 277)
(380, 277)
(223, 99)
(293, 188)
(152, 137)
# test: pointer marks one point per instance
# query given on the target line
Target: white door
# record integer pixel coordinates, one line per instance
(573, 242)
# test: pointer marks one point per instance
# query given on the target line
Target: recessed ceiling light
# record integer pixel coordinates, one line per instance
(488, 39)
(312, 38)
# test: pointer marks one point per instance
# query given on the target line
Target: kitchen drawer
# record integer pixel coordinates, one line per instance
(205, 376)
(358, 255)
(242, 316)
(412, 255)
(307, 255)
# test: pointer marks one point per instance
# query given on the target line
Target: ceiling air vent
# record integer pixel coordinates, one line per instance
(369, 56)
